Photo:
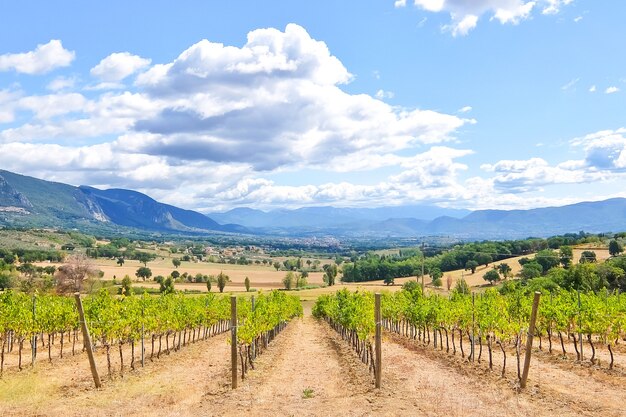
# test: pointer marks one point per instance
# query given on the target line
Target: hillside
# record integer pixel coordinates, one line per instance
(31, 202)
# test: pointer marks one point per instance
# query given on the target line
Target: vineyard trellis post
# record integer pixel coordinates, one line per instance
(529, 339)
(252, 345)
(580, 332)
(233, 340)
(87, 341)
(378, 337)
(473, 326)
(143, 349)
(34, 339)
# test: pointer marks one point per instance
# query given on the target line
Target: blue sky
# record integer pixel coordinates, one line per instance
(213, 105)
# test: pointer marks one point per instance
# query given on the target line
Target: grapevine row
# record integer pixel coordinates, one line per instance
(500, 320)
(260, 323)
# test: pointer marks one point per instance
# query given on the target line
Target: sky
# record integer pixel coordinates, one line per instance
(207, 105)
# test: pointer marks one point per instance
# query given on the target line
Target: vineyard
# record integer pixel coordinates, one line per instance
(489, 319)
(29, 324)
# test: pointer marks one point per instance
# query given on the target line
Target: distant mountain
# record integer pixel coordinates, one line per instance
(416, 221)
(31, 202)
(331, 217)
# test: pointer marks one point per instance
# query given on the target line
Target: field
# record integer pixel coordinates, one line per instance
(309, 370)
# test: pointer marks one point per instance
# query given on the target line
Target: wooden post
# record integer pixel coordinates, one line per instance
(252, 345)
(473, 347)
(87, 341)
(529, 340)
(34, 339)
(378, 342)
(580, 333)
(233, 340)
(143, 349)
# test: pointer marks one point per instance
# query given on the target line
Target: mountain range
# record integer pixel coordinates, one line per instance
(31, 202)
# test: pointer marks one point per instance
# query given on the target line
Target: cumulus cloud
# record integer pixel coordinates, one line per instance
(465, 14)
(118, 66)
(61, 83)
(604, 159)
(44, 58)
(465, 109)
(612, 89)
(592, 89)
(274, 102)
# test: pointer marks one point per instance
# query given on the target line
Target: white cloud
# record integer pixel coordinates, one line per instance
(274, 102)
(382, 94)
(578, 19)
(465, 109)
(118, 66)
(554, 6)
(465, 14)
(570, 84)
(592, 89)
(44, 58)
(45, 107)
(61, 83)
(612, 89)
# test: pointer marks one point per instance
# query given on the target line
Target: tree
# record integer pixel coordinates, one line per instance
(566, 254)
(289, 280)
(301, 279)
(330, 274)
(246, 282)
(309, 262)
(144, 257)
(615, 248)
(504, 269)
(176, 262)
(483, 259)
(492, 276)
(143, 272)
(72, 276)
(126, 289)
(588, 256)
(461, 287)
(531, 270)
(389, 280)
(437, 282)
(547, 259)
(120, 261)
(471, 265)
(175, 274)
(210, 280)
(167, 286)
(222, 280)
(277, 265)
(435, 275)
(7, 279)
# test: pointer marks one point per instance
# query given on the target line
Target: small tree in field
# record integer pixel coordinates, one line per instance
(471, 265)
(246, 282)
(491, 276)
(120, 261)
(72, 276)
(176, 263)
(289, 280)
(615, 248)
(126, 289)
(210, 280)
(222, 280)
(143, 272)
